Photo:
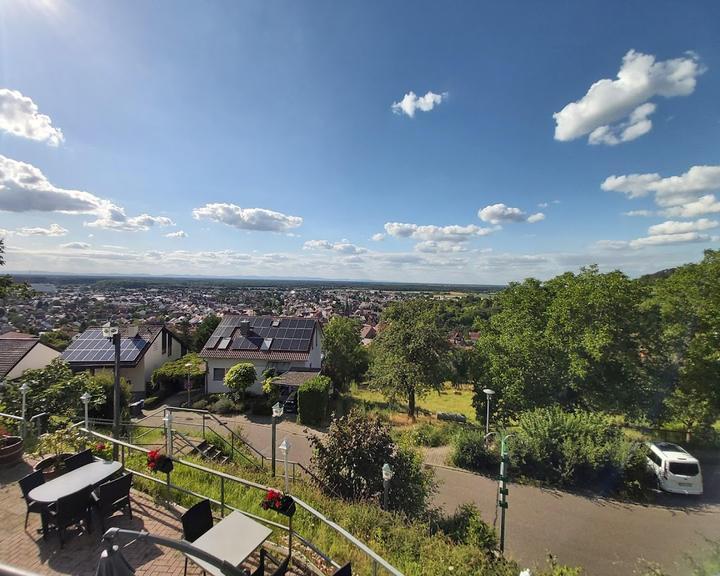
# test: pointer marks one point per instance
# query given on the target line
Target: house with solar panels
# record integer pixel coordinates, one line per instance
(143, 349)
(285, 344)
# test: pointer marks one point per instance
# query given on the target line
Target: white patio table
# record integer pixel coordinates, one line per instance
(233, 539)
(88, 475)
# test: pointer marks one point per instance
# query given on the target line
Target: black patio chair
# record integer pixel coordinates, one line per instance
(113, 496)
(195, 522)
(80, 459)
(282, 569)
(70, 510)
(27, 484)
(344, 570)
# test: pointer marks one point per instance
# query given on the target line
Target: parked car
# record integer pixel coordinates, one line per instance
(290, 404)
(676, 470)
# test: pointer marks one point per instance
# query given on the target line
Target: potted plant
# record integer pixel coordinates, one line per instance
(158, 462)
(11, 448)
(60, 445)
(279, 502)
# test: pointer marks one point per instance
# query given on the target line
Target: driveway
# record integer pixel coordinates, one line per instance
(605, 537)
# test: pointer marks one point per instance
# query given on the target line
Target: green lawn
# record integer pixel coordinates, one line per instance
(448, 400)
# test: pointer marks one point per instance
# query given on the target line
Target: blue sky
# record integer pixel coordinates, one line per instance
(424, 141)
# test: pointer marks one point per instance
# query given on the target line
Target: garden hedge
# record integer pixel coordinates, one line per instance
(313, 398)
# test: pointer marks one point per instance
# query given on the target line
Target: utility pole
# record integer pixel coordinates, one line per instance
(503, 489)
(116, 397)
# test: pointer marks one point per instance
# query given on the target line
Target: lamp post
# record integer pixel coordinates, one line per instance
(387, 475)
(277, 412)
(285, 447)
(112, 333)
(167, 421)
(23, 390)
(188, 387)
(86, 400)
(488, 394)
(503, 490)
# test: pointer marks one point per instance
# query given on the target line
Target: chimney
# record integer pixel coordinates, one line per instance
(244, 327)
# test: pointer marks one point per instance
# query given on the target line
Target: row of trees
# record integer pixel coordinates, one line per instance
(647, 348)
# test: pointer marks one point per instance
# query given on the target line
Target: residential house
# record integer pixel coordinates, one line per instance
(20, 352)
(143, 349)
(266, 341)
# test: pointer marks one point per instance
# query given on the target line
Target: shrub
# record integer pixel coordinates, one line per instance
(201, 404)
(152, 402)
(224, 406)
(239, 378)
(172, 376)
(466, 526)
(350, 457)
(261, 407)
(432, 434)
(313, 400)
(470, 451)
(578, 449)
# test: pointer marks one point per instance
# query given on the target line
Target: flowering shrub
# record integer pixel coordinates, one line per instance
(157, 462)
(279, 502)
(102, 450)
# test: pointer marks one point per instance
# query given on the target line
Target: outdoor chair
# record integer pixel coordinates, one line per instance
(283, 568)
(80, 459)
(113, 496)
(195, 522)
(69, 511)
(28, 483)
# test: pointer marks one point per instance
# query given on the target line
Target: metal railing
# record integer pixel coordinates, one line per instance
(35, 423)
(125, 448)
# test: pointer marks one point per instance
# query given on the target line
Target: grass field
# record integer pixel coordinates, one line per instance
(449, 399)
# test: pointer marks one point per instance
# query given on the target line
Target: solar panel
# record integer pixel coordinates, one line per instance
(224, 343)
(92, 346)
(212, 342)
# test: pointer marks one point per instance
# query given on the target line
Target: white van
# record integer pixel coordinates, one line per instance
(676, 470)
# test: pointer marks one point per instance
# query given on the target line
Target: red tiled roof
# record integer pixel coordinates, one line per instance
(17, 335)
(12, 350)
(256, 355)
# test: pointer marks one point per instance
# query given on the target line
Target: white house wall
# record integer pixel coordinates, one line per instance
(39, 356)
(154, 358)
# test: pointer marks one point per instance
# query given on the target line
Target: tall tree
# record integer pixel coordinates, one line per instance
(205, 330)
(409, 356)
(345, 358)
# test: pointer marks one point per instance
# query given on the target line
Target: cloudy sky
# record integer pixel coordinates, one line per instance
(411, 141)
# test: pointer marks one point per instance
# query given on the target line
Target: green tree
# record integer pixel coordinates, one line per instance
(350, 457)
(205, 330)
(693, 409)
(345, 358)
(239, 378)
(409, 356)
(56, 339)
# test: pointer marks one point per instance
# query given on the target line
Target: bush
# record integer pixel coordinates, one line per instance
(470, 451)
(172, 376)
(225, 406)
(201, 404)
(431, 434)
(152, 402)
(313, 400)
(261, 407)
(466, 526)
(350, 457)
(578, 449)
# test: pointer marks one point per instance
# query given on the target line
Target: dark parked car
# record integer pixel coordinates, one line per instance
(290, 405)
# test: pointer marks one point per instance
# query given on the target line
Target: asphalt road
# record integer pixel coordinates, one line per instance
(605, 537)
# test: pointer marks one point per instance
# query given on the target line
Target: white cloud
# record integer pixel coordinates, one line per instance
(379, 237)
(453, 233)
(543, 205)
(178, 234)
(639, 213)
(411, 103)
(615, 111)
(439, 247)
(663, 239)
(24, 188)
(500, 213)
(53, 230)
(684, 195)
(537, 217)
(675, 227)
(76, 246)
(342, 247)
(19, 116)
(247, 218)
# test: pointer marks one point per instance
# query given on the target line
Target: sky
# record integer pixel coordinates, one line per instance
(463, 142)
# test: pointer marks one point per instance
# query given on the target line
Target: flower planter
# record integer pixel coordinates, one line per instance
(279, 502)
(50, 467)
(11, 450)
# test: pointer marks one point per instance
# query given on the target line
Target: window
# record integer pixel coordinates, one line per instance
(164, 342)
(655, 458)
(218, 374)
(169, 344)
(684, 468)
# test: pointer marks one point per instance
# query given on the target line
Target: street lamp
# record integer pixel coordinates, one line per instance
(24, 390)
(285, 447)
(488, 394)
(387, 475)
(168, 433)
(112, 333)
(86, 400)
(188, 387)
(277, 412)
